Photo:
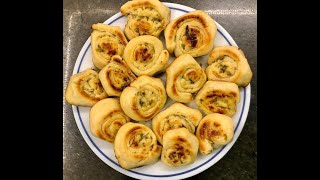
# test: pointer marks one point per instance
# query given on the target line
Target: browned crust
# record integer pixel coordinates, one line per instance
(142, 54)
(216, 124)
(87, 95)
(177, 23)
(225, 52)
(126, 84)
(174, 88)
(181, 139)
(108, 46)
(122, 38)
(158, 148)
(158, 130)
(133, 129)
(202, 129)
(221, 94)
(100, 134)
(116, 59)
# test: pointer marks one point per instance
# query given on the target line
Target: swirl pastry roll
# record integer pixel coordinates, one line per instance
(106, 117)
(192, 33)
(136, 145)
(145, 17)
(175, 116)
(116, 76)
(106, 41)
(218, 97)
(180, 147)
(145, 55)
(214, 131)
(144, 98)
(85, 89)
(184, 78)
(228, 63)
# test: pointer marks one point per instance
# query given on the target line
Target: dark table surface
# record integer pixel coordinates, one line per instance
(239, 18)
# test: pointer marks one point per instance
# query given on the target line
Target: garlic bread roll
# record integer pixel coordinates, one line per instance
(145, 17)
(180, 147)
(136, 145)
(144, 98)
(106, 41)
(192, 33)
(214, 131)
(175, 116)
(218, 97)
(116, 76)
(145, 55)
(85, 89)
(184, 78)
(106, 117)
(228, 63)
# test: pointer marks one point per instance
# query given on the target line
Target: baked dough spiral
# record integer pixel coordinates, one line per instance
(218, 97)
(145, 17)
(192, 33)
(144, 98)
(175, 116)
(116, 76)
(184, 78)
(85, 89)
(106, 117)
(145, 55)
(214, 131)
(136, 145)
(106, 41)
(180, 147)
(228, 63)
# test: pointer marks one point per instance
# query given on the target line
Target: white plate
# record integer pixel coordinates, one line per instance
(104, 150)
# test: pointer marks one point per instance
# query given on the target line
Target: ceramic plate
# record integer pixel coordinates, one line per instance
(104, 149)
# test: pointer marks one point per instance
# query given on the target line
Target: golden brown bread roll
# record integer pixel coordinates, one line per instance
(184, 78)
(106, 41)
(116, 76)
(144, 98)
(106, 117)
(145, 55)
(136, 145)
(85, 89)
(192, 33)
(214, 131)
(145, 17)
(180, 147)
(218, 97)
(175, 116)
(228, 63)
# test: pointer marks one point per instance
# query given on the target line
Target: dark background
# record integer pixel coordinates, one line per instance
(239, 18)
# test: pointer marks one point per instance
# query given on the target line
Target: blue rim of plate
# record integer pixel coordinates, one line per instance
(170, 175)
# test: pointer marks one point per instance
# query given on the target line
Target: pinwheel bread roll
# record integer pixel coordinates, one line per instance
(106, 41)
(144, 98)
(145, 17)
(192, 33)
(175, 116)
(106, 117)
(85, 89)
(218, 97)
(145, 55)
(116, 76)
(136, 145)
(228, 63)
(214, 131)
(180, 147)
(184, 78)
